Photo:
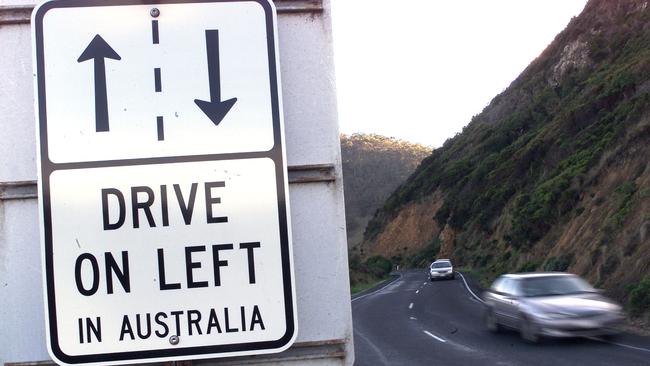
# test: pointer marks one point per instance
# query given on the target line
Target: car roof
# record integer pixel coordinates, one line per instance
(442, 260)
(537, 274)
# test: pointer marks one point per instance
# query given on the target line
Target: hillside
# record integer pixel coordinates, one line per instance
(554, 174)
(373, 166)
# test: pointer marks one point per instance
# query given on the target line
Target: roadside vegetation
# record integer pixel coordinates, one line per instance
(362, 286)
(639, 300)
(553, 175)
(364, 275)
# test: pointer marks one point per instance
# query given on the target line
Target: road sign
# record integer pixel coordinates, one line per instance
(162, 172)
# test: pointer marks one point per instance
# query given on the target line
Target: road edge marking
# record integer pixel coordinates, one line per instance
(373, 346)
(619, 344)
(377, 290)
(469, 289)
(434, 336)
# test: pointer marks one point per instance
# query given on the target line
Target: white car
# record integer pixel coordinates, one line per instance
(441, 268)
(552, 304)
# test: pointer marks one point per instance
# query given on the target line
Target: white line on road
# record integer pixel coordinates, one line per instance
(628, 346)
(619, 344)
(469, 289)
(435, 336)
(417, 292)
(413, 318)
(378, 351)
(411, 306)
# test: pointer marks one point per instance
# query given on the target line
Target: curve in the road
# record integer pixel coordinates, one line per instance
(469, 289)
(411, 322)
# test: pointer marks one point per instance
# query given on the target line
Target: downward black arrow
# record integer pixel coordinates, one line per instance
(215, 109)
(97, 50)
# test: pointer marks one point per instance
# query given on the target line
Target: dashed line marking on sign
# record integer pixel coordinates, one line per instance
(161, 131)
(154, 31)
(155, 38)
(157, 81)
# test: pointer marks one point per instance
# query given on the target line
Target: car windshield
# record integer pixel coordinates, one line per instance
(554, 285)
(440, 265)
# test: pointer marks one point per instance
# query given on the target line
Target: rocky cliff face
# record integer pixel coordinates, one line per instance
(554, 174)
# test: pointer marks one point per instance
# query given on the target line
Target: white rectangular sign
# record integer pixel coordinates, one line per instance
(164, 199)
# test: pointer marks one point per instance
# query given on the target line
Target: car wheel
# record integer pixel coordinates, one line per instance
(491, 322)
(528, 331)
(453, 276)
(431, 279)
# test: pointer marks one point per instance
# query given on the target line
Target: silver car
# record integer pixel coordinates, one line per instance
(441, 268)
(550, 304)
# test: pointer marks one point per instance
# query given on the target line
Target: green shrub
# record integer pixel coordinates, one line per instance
(528, 267)
(373, 228)
(560, 263)
(639, 300)
(610, 265)
(482, 260)
(624, 194)
(379, 266)
(426, 255)
(442, 214)
(354, 262)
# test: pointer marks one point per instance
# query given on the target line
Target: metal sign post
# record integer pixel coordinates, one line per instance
(163, 191)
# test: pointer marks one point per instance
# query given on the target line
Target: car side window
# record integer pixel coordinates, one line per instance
(514, 287)
(505, 288)
(498, 285)
(510, 286)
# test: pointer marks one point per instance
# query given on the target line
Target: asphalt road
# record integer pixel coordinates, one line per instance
(412, 321)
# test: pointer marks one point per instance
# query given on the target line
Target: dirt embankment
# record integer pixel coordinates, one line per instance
(411, 230)
(606, 240)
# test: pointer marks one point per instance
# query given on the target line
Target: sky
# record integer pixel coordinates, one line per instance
(418, 70)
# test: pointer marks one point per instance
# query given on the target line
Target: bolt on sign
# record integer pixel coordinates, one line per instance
(162, 176)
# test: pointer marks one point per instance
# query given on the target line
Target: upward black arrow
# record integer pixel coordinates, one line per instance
(98, 50)
(215, 109)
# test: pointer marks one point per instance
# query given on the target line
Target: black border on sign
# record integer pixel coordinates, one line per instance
(48, 167)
